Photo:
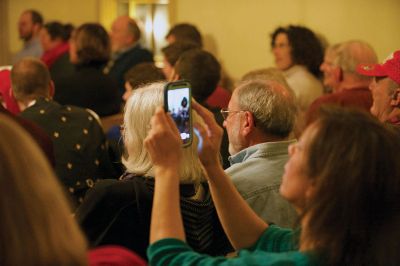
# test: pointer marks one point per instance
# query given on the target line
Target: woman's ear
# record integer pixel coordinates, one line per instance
(310, 191)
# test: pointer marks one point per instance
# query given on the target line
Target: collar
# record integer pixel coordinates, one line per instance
(273, 147)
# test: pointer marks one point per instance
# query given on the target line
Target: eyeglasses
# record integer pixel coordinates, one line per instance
(225, 112)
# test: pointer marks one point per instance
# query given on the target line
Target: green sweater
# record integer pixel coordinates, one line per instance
(276, 247)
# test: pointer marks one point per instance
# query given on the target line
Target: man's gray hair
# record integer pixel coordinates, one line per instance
(352, 53)
(271, 104)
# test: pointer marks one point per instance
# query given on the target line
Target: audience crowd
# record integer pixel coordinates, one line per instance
(297, 165)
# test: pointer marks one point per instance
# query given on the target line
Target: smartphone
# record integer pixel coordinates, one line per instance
(177, 101)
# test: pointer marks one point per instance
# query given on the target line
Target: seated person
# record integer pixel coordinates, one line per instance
(126, 49)
(298, 54)
(54, 38)
(37, 225)
(80, 147)
(337, 189)
(203, 71)
(119, 212)
(8, 101)
(87, 86)
(139, 75)
(349, 88)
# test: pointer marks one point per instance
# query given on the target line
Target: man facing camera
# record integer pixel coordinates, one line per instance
(127, 52)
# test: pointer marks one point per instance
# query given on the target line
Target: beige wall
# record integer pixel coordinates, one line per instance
(238, 30)
(69, 11)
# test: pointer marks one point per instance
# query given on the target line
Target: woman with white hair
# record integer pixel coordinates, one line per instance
(119, 211)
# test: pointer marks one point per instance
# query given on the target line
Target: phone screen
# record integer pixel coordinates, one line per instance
(178, 105)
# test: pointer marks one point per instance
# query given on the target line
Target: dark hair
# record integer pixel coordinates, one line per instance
(57, 30)
(142, 74)
(174, 50)
(306, 50)
(92, 43)
(36, 17)
(355, 209)
(202, 70)
(186, 32)
(184, 102)
(30, 79)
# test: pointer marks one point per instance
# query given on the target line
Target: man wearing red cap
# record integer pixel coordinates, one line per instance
(385, 88)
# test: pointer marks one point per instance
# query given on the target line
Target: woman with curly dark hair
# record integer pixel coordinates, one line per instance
(299, 53)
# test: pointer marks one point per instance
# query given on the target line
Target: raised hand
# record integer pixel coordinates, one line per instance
(211, 137)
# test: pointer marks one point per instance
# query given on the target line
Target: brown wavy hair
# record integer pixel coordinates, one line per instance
(355, 210)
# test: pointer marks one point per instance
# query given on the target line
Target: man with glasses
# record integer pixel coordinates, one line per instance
(259, 119)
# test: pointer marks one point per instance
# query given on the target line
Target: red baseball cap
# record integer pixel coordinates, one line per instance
(390, 68)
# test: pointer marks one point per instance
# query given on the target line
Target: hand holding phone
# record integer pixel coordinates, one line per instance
(177, 101)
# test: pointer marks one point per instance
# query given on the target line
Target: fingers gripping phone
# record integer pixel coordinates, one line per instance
(177, 101)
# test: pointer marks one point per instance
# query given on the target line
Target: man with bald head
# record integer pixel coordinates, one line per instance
(127, 52)
(349, 87)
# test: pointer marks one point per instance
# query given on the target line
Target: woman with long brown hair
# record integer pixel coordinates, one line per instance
(343, 177)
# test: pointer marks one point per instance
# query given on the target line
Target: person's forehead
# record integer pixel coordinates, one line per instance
(26, 17)
(281, 37)
(382, 80)
(234, 99)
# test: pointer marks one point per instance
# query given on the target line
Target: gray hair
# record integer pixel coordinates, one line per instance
(139, 109)
(351, 53)
(270, 73)
(272, 105)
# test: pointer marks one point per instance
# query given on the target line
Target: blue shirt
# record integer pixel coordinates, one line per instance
(257, 174)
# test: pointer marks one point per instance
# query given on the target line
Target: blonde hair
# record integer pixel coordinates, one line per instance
(37, 227)
(138, 111)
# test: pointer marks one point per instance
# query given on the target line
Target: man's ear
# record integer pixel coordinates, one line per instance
(395, 102)
(51, 89)
(338, 74)
(249, 123)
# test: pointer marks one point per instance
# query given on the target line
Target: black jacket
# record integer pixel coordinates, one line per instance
(119, 213)
(88, 87)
